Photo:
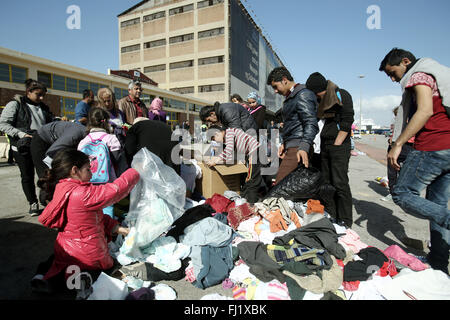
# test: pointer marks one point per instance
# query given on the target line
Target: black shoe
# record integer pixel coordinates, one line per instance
(34, 209)
(38, 285)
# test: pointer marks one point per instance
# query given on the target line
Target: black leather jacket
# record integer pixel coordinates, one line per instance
(300, 118)
(233, 115)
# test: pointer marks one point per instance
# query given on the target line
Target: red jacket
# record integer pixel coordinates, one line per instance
(84, 231)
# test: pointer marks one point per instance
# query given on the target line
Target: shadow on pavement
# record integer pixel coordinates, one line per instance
(381, 220)
(378, 188)
(23, 245)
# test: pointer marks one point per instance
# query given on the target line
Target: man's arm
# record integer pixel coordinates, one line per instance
(347, 117)
(424, 97)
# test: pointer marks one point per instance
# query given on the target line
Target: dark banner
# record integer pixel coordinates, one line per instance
(244, 47)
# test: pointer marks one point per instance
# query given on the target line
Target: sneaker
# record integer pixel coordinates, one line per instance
(39, 285)
(34, 209)
(387, 198)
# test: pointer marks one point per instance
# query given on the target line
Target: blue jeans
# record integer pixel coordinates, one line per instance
(428, 170)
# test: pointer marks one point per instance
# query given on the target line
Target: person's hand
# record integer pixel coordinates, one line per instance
(281, 153)
(28, 136)
(123, 231)
(393, 156)
(303, 157)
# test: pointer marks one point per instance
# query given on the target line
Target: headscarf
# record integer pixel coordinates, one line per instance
(156, 106)
(254, 95)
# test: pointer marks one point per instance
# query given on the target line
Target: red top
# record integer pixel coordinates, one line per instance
(84, 231)
(435, 135)
(139, 112)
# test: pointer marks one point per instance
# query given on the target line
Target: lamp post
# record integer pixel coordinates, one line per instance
(360, 104)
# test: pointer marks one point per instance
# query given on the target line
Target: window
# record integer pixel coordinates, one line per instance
(94, 87)
(153, 44)
(185, 90)
(131, 22)
(182, 38)
(158, 68)
(211, 88)
(210, 60)
(211, 33)
(208, 3)
(45, 78)
(135, 47)
(155, 16)
(18, 74)
(182, 64)
(177, 104)
(68, 107)
(82, 85)
(183, 9)
(4, 72)
(59, 82)
(71, 85)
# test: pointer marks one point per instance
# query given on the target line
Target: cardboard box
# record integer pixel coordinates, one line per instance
(221, 178)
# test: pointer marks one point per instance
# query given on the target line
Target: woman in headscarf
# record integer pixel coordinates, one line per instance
(256, 109)
(156, 112)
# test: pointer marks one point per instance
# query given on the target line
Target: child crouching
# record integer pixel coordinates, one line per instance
(75, 210)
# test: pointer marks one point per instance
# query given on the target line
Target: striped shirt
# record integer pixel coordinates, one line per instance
(239, 141)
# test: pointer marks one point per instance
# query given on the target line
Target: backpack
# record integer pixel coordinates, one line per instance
(98, 153)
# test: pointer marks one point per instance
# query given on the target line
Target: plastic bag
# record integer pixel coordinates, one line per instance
(155, 202)
(303, 183)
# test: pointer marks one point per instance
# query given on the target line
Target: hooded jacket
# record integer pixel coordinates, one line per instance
(84, 231)
(299, 115)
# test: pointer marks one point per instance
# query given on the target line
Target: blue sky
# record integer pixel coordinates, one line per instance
(328, 36)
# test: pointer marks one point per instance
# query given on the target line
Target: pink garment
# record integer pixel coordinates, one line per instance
(156, 106)
(352, 240)
(397, 253)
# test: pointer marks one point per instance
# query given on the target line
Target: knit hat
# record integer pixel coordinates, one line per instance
(316, 82)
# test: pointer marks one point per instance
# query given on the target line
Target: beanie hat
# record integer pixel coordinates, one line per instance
(316, 82)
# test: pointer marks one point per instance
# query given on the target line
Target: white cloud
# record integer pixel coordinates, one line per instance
(378, 109)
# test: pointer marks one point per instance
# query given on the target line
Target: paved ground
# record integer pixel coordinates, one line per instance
(24, 242)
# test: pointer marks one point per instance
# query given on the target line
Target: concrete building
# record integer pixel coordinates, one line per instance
(66, 83)
(209, 49)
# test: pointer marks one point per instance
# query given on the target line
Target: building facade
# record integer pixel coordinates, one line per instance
(209, 49)
(66, 83)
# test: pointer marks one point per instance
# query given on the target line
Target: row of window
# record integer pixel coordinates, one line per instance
(172, 40)
(11, 73)
(162, 14)
(62, 83)
(201, 89)
(184, 64)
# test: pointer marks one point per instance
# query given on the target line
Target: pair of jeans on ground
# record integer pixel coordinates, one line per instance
(428, 170)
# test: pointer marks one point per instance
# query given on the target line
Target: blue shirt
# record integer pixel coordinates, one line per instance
(81, 111)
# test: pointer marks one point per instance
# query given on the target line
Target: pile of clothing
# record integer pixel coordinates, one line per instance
(278, 249)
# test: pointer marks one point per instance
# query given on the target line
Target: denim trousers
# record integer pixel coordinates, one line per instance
(428, 170)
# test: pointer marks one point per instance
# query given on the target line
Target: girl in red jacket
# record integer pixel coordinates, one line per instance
(76, 211)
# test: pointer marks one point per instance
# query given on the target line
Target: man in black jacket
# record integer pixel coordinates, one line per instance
(153, 135)
(336, 108)
(299, 118)
(230, 115)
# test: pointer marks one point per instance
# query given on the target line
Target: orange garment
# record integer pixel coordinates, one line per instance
(294, 219)
(314, 206)
(276, 220)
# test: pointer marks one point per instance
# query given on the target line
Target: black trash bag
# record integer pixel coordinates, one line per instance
(303, 184)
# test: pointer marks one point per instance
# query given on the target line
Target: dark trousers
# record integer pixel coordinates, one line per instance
(26, 167)
(38, 150)
(252, 183)
(392, 174)
(335, 160)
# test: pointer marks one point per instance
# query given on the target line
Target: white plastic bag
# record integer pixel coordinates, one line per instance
(156, 202)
